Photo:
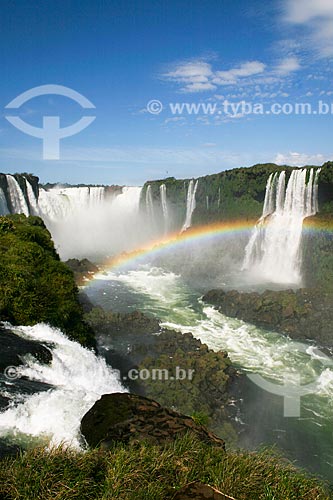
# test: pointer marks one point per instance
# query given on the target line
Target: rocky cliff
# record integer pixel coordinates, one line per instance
(233, 194)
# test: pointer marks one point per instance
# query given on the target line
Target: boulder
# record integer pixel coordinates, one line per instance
(129, 418)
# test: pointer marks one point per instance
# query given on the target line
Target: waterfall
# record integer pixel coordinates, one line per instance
(273, 252)
(3, 203)
(59, 203)
(34, 210)
(85, 222)
(190, 204)
(17, 199)
(164, 207)
(219, 199)
(149, 203)
(207, 202)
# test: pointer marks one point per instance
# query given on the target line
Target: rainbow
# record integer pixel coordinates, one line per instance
(201, 233)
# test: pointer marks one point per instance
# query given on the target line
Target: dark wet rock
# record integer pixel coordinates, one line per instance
(130, 341)
(136, 341)
(305, 314)
(7, 450)
(13, 348)
(200, 491)
(83, 269)
(109, 323)
(130, 418)
(4, 402)
(204, 387)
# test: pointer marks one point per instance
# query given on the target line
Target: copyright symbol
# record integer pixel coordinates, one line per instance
(154, 107)
(11, 373)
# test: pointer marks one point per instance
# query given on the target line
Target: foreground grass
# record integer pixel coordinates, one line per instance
(147, 472)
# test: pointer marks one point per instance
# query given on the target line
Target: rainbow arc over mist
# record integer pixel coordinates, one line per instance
(200, 234)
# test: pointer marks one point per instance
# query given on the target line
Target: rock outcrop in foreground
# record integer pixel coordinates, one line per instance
(128, 418)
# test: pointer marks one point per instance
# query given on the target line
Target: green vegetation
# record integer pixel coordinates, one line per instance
(233, 194)
(34, 285)
(149, 472)
(229, 195)
(318, 252)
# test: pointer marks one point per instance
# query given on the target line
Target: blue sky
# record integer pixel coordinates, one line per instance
(123, 54)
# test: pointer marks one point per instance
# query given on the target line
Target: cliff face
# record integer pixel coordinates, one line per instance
(232, 194)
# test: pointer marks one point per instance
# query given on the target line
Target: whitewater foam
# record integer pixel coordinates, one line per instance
(79, 378)
(273, 252)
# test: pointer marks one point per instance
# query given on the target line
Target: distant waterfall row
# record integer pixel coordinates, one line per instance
(274, 249)
(60, 203)
(164, 208)
(53, 204)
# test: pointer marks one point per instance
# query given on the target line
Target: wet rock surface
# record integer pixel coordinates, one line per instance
(13, 348)
(129, 418)
(205, 385)
(82, 269)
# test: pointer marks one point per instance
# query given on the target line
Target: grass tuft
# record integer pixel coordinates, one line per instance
(146, 472)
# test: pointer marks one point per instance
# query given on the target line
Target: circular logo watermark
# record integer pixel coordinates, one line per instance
(11, 372)
(51, 132)
(292, 389)
(154, 107)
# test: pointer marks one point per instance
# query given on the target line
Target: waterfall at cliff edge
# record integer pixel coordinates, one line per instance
(149, 203)
(190, 204)
(3, 203)
(164, 207)
(17, 199)
(274, 250)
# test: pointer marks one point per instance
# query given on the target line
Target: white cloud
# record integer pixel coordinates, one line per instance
(195, 75)
(302, 11)
(199, 76)
(199, 87)
(232, 76)
(288, 65)
(317, 17)
(300, 159)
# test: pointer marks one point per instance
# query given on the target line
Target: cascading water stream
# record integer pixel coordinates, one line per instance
(17, 199)
(274, 250)
(78, 378)
(149, 203)
(3, 203)
(190, 204)
(32, 199)
(164, 207)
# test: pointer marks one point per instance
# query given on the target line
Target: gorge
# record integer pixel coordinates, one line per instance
(265, 227)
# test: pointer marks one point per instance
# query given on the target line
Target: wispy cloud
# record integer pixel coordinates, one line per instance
(300, 159)
(234, 75)
(199, 75)
(196, 76)
(316, 16)
(288, 65)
